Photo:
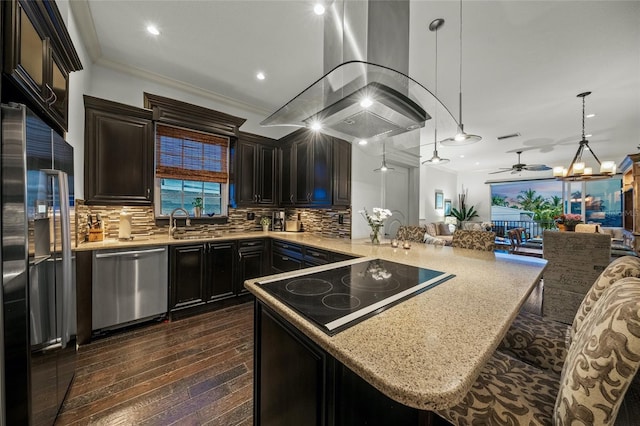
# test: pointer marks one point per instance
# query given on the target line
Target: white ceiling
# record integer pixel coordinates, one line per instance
(524, 62)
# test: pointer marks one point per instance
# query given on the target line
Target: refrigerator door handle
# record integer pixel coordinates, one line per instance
(63, 195)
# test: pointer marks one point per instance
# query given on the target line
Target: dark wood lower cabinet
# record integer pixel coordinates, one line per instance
(187, 277)
(207, 276)
(297, 382)
(221, 270)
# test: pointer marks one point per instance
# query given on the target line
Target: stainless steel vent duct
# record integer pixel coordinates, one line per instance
(365, 56)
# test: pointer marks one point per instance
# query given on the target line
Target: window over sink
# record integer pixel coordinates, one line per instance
(191, 164)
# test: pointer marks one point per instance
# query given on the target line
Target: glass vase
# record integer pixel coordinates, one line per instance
(375, 236)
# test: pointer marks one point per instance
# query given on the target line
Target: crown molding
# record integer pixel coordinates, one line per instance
(86, 27)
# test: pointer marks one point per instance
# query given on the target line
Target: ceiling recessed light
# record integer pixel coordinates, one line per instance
(153, 30)
(318, 9)
(477, 163)
(362, 142)
(461, 155)
(590, 115)
(260, 76)
(366, 103)
(588, 135)
(316, 126)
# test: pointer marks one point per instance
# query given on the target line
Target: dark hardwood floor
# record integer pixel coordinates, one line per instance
(195, 371)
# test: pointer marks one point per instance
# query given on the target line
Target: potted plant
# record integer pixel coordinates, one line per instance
(265, 222)
(197, 206)
(463, 213)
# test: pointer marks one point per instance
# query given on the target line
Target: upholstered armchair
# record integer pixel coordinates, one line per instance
(411, 233)
(601, 362)
(543, 342)
(475, 240)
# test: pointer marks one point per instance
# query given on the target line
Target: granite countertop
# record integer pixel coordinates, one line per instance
(427, 351)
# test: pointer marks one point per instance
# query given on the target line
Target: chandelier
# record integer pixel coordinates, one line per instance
(577, 170)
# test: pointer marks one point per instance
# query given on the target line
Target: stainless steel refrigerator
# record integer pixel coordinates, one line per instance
(39, 320)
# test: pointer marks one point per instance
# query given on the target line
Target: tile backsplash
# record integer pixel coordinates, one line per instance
(323, 222)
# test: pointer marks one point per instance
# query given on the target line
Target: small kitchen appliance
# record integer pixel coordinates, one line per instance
(340, 297)
(278, 221)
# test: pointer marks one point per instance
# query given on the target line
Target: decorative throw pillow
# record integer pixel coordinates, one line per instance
(431, 229)
(443, 229)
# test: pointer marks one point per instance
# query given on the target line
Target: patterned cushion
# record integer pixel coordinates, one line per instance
(410, 233)
(600, 365)
(537, 341)
(603, 358)
(507, 392)
(431, 229)
(543, 342)
(627, 266)
(475, 240)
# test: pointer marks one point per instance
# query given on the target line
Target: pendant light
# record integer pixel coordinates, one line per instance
(577, 170)
(461, 138)
(434, 26)
(383, 167)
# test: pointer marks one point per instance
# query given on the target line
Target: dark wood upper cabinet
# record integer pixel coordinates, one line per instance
(118, 153)
(38, 57)
(256, 170)
(341, 173)
(315, 170)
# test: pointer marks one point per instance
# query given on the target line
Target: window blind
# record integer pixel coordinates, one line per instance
(190, 155)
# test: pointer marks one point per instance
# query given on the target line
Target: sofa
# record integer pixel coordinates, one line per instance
(438, 231)
(424, 234)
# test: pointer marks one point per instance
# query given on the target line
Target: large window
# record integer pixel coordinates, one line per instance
(190, 165)
(596, 201)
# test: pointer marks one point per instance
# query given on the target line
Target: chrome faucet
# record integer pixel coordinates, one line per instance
(172, 221)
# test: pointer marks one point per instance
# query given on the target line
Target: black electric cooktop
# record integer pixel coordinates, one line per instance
(338, 298)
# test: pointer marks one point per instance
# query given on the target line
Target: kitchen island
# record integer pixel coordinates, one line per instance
(422, 354)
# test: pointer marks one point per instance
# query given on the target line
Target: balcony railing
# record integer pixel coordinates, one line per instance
(531, 229)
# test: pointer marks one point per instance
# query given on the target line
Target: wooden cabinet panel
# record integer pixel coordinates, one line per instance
(291, 387)
(118, 153)
(38, 56)
(221, 270)
(187, 276)
(341, 173)
(287, 175)
(315, 170)
(257, 176)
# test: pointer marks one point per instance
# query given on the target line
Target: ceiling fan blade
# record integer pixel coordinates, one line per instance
(500, 171)
(536, 167)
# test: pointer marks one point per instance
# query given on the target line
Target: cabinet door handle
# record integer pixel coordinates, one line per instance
(148, 193)
(285, 258)
(51, 99)
(314, 253)
(291, 198)
(285, 246)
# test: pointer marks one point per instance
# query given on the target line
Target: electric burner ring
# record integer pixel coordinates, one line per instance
(309, 287)
(341, 301)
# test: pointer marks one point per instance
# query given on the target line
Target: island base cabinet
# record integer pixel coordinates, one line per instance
(297, 382)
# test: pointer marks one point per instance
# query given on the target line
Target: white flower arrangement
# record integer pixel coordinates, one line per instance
(377, 218)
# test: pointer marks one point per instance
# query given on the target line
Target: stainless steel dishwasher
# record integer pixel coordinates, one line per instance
(129, 286)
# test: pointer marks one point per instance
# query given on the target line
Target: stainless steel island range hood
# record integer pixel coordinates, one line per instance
(366, 93)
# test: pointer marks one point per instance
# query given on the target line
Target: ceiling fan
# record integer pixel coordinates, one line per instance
(518, 167)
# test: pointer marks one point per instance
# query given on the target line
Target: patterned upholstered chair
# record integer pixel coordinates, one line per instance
(475, 240)
(601, 363)
(411, 233)
(543, 342)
